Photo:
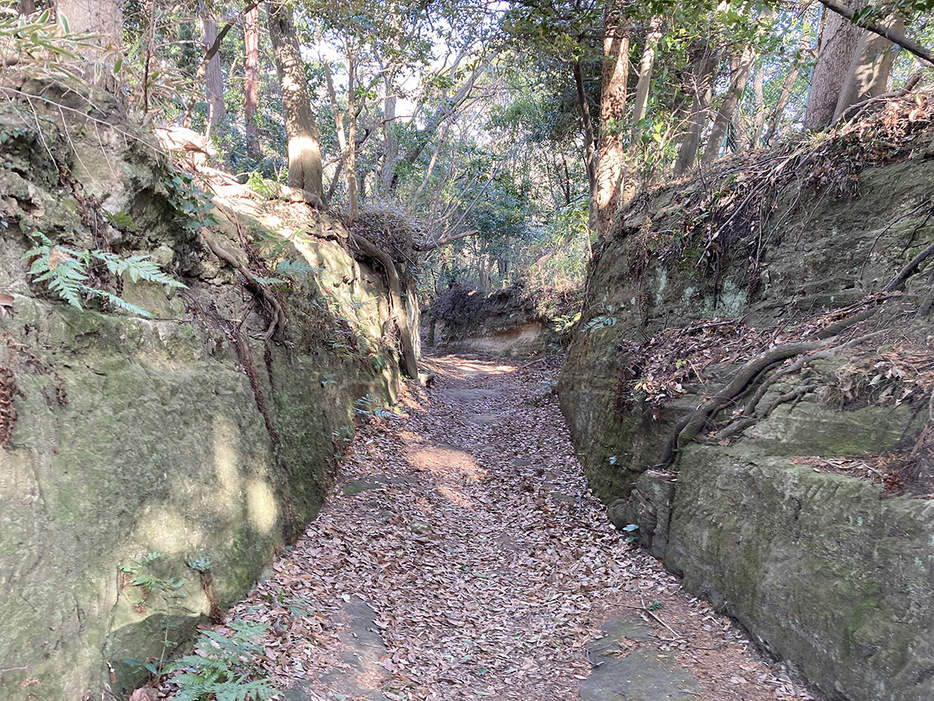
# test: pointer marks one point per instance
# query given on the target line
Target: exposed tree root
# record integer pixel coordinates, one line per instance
(840, 326)
(688, 428)
(909, 269)
(763, 365)
(277, 318)
(371, 250)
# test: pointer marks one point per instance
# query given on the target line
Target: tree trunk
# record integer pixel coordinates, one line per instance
(740, 74)
(646, 63)
(251, 79)
(101, 17)
(869, 71)
(707, 66)
(413, 314)
(589, 149)
(611, 156)
(346, 145)
(350, 168)
(305, 170)
(390, 142)
(838, 45)
(213, 75)
(758, 124)
(787, 86)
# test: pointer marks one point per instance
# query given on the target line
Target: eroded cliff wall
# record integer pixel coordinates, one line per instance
(750, 384)
(151, 467)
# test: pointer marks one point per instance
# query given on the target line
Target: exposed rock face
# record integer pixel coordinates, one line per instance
(145, 450)
(826, 570)
(506, 321)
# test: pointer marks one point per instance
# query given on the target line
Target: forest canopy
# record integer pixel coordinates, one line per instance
(508, 136)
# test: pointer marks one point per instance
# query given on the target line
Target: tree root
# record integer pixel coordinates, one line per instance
(277, 316)
(909, 269)
(928, 299)
(371, 250)
(687, 429)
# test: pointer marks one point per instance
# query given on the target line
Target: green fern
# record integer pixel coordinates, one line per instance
(296, 268)
(65, 272)
(224, 666)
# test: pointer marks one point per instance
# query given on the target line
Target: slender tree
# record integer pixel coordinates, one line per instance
(739, 75)
(646, 64)
(868, 75)
(251, 78)
(213, 76)
(612, 167)
(701, 89)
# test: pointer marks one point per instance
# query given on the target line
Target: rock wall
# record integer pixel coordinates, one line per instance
(812, 526)
(153, 467)
(505, 322)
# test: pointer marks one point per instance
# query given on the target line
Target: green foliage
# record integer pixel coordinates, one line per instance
(600, 322)
(66, 272)
(139, 574)
(199, 564)
(192, 207)
(224, 667)
(369, 405)
(40, 41)
(258, 184)
(296, 268)
(565, 323)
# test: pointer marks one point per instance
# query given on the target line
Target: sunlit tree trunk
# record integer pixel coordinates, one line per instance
(611, 171)
(213, 75)
(758, 123)
(305, 170)
(390, 142)
(739, 76)
(869, 71)
(346, 142)
(350, 167)
(251, 78)
(839, 41)
(646, 64)
(101, 17)
(590, 151)
(787, 87)
(702, 89)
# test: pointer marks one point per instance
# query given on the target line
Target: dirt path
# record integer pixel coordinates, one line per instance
(460, 556)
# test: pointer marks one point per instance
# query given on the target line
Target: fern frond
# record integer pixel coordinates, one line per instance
(294, 268)
(139, 267)
(268, 281)
(119, 302)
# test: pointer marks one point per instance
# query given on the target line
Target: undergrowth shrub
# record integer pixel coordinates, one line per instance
(224, 667)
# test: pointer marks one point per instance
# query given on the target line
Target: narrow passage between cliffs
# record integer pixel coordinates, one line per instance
(460, 555)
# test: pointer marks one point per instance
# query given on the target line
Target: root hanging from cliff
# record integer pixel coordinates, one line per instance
(276, 318)
(371, 250)
(763, 370)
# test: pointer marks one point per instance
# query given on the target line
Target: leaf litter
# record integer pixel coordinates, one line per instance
(487, 560)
